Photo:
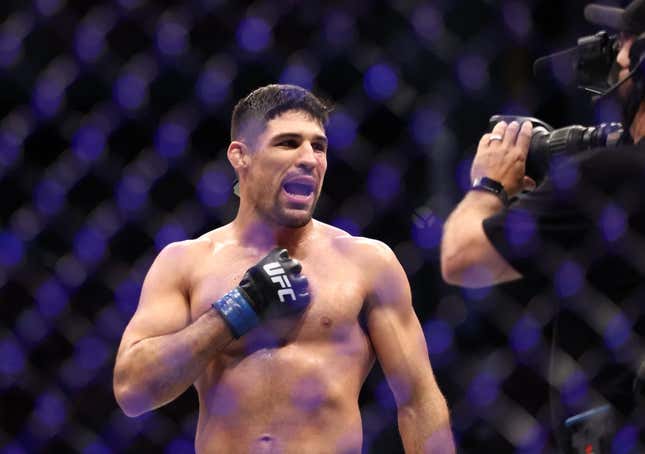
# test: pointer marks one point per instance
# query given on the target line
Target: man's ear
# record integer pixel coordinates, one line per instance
(238, 155)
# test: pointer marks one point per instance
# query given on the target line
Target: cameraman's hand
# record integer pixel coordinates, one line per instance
(505, 160)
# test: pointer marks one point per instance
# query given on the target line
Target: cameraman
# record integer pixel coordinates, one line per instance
(581, 232)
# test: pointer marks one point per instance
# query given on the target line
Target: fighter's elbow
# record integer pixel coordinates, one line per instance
(129, 400)
(129, 396)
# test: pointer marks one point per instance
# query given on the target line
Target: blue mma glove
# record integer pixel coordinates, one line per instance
(271, 288)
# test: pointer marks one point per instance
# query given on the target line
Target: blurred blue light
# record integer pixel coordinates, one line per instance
(130, 4)
(462, 174)
(483, 389)
(49, 196)
(10, 146)
(427, 230)
(88, 143)
(298, 74)
(384, 395)
(384, 182)
(254, 34)
(130, 91)
(348, 225)
(563, 173)
(575, 389)
(110, 323)
(9, 49)
(91, 353)
(180, 446)
(11, 249)
(625, 441)
(171, 139)
(427, 22)
(13, 447)
(31, 326)
(51, 298)
(89, 245)
(340, 29)
(520, 227)
(525, 334)
(534, 441)
(613, 222)
(215, 188)
(126, 296)
(380, 82)
(51, 411)
(171, 38)
(96, 447)
(607, 110)
(439, 336)
(48, 96)
(517, 17)
(568, 279)
(74, 375)
(12, 358)
(426, 125)
(617, 332)
(131, 193)
(169, 233)
(341, 131)
(48, 7)
(213, 86)
(89, 42)
(472, 72)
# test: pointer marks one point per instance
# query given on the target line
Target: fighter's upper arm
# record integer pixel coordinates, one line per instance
(396, 334)
(163, 305)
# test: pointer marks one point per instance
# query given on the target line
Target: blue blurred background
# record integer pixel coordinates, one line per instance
(114, 120)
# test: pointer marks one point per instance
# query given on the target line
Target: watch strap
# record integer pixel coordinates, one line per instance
(493, 186)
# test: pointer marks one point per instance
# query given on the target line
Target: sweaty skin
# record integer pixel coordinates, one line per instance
(290, 385)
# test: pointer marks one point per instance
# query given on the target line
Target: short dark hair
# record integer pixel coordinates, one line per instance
(266, 103)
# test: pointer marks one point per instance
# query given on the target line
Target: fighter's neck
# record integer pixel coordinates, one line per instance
(263, 235)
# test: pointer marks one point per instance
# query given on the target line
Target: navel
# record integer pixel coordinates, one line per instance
(326, 321)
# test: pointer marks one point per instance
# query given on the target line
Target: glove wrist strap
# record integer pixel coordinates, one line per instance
(237, 312)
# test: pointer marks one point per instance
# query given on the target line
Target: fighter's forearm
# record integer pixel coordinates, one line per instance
(157, 370)
(425, 429)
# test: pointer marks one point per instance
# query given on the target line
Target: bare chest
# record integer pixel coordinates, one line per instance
(337, 291)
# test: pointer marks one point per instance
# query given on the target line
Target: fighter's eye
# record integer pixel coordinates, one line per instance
(288, 143)
(319, 146)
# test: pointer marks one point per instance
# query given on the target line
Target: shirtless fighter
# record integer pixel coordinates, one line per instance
(276, 318)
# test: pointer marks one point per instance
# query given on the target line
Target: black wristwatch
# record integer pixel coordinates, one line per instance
(492, 186)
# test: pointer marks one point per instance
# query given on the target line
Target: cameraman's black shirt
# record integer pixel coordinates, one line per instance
(582, 232)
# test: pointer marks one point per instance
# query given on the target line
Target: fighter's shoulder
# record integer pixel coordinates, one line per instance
(358, 248)
(178, 254)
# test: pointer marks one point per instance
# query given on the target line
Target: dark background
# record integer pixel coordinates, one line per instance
(114, 120)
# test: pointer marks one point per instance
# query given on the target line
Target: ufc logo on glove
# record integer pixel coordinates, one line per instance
(279, 276)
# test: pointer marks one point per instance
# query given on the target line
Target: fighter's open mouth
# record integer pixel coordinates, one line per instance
(296, 188)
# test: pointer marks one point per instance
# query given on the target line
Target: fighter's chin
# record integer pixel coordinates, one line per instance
(295, 218)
